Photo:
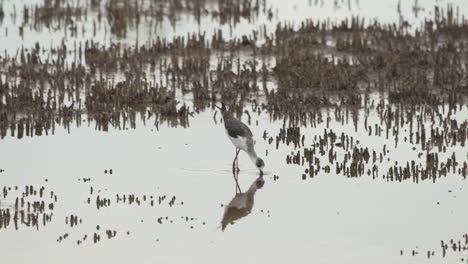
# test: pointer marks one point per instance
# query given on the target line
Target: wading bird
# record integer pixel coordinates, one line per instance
(242, 138)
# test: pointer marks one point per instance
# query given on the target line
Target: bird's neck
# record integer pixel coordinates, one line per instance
(228, 116)
(253, 156)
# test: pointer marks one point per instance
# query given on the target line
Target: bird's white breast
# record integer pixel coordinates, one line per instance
(239, 142)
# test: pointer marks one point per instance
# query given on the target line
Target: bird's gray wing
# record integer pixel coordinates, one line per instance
(235, 127)
(239, 129)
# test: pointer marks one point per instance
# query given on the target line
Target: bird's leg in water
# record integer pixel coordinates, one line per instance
(235, 171)
(238, 188)
(235, 174)
(234, 162)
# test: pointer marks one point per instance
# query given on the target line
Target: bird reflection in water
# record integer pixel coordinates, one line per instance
(242, 203)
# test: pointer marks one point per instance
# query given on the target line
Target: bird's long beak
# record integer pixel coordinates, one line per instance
(218, 107)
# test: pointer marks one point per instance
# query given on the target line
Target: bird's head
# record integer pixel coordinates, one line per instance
(222, 108)
(260, 164)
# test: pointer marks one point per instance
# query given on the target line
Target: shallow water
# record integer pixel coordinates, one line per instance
(177, 182)
(361, 219)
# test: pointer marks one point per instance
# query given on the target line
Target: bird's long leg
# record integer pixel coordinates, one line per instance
(237, 161)
(234, 163)
(235, 171)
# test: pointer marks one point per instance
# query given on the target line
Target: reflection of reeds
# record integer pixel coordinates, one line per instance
(350, 160)
(52, 11)
(31, 208)
(125, 15)
(2, 12)
(72, 220)
(117, 15)
(132, 199)
(232, 11)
